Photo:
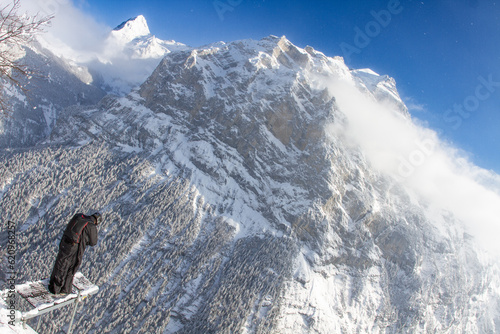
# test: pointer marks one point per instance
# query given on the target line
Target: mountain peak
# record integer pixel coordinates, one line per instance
(132, 28)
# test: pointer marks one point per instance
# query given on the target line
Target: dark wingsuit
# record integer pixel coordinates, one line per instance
(80, 233)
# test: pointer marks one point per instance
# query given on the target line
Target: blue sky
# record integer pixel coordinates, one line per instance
(443, 54)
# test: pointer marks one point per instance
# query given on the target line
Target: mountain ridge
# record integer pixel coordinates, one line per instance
(222, 169)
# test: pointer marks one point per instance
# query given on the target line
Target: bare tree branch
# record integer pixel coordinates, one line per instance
(16, 31)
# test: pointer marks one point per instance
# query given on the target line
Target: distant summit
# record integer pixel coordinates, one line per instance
(130, 55)
(132, 28)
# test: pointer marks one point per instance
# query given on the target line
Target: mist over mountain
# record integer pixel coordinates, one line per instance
(129, 55)
(249, 187)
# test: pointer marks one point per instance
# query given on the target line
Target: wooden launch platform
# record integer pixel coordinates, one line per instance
(42, 301)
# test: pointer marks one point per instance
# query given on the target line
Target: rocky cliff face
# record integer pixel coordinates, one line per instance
(230, 207)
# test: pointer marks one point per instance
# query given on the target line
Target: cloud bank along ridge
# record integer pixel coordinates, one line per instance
(435, 171)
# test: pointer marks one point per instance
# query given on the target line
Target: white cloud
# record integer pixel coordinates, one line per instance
(77, 36)
(415, 155)
(72, 33)
(416, 107)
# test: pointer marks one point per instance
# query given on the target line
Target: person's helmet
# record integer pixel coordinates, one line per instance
(98, 218)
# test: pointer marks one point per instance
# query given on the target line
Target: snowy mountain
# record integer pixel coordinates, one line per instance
(121, 59)
(57, 84)
(65, 77)
(236, 200)
(130, 54)
(131, 29)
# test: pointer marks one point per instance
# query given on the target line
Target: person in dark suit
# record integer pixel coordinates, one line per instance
(80, 233)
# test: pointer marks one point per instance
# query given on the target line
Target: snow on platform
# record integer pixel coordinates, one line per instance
(37, 294)
(41, 301)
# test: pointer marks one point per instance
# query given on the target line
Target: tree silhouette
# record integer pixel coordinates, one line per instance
(16, 31)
